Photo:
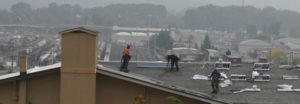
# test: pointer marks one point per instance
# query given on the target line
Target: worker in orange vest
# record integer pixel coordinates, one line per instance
(125, 59)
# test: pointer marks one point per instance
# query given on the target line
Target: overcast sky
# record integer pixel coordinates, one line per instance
(170, 4)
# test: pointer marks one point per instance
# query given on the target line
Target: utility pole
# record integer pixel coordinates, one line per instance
(291, 58)
(52, 56)
(270, 55)
(12, 64)
(243, 3)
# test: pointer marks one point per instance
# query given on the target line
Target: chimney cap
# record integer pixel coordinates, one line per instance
(79, 29)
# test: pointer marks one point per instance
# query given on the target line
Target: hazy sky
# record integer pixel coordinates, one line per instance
(170, 4)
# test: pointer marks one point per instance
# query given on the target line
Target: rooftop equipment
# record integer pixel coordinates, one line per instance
(238, 77)
(261, 66)
(222, 65)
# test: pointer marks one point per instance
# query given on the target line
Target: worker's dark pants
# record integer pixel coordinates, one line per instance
(124, 64)
(172, 65)
(215, 86)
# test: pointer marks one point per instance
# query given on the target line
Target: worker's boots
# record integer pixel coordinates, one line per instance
(126, 70)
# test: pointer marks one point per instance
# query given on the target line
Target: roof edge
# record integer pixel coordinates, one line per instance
(79, 29)
(156, 84)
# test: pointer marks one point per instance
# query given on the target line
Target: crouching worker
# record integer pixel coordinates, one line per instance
(174, 61)
(215, 79)
(125, 59)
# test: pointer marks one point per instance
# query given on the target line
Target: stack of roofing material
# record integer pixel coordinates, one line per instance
(201, 77)
(225, 83)
(288, 77)
(238, 77)
(287, 88)
(289, 67)
(261, 66)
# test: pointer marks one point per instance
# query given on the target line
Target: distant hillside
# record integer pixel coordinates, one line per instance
(170, 4)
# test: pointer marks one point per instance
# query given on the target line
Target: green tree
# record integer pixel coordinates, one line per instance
(139, 100)
(274, 28)
(295, 32)
(164, 40)
(277, 55)
(174, 100)
(196, 46)
(22, 12)
(190, 41)
(251, 30)
(206, 44)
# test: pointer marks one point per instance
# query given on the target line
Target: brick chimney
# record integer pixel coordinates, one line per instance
(23, 64)
(78, 70)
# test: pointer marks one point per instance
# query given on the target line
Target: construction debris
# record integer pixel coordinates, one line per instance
(253, 89)
(287, 88)
(201, 77)
(225, 83)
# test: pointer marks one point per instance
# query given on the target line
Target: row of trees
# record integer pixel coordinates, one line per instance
(162, 40)
(230, 18)
(116, 14)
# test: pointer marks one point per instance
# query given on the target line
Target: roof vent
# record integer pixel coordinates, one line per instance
(287, 77)
(238, 77)
(260, 77)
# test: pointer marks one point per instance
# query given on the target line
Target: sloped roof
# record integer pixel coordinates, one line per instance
(82, 29)
(254, 42)
(131, 77)
(29, 72)
(183, 78)
(161, 85)
(292, 40)
(186, 51)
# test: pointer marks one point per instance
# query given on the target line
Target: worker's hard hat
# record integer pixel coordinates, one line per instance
(128, 45)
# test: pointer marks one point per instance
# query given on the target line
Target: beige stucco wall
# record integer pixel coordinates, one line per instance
(8, 93)
(78, 88)
(158, 97)
(78, 71)
(79, 50)
(44, 89)
(115, 91)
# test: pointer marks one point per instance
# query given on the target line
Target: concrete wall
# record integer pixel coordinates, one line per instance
(44, 89)
(115, 91)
